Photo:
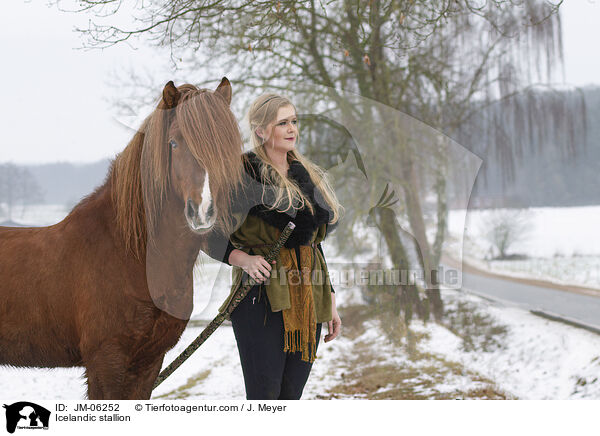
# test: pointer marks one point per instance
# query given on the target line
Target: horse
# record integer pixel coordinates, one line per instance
(110, 287)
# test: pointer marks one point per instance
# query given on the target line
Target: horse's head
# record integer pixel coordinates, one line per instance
(194, 155)
(189, 179)
(191, 182)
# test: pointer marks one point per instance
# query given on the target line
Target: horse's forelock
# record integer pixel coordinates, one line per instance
(155, 164)
(212, 135)
(140, 175)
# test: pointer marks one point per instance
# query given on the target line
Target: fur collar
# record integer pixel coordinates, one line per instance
(258, 196)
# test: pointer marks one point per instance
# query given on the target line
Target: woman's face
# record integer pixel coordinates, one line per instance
(281, 134)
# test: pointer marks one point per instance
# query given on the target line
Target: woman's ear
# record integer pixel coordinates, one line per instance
(260, 132)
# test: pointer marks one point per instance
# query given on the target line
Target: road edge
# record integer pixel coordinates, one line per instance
(470, 268)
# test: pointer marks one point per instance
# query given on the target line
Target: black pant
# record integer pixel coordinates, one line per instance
(269, 372)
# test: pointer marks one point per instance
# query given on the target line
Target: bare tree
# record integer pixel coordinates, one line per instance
(18, 187)
(443, 62)
(502, 228)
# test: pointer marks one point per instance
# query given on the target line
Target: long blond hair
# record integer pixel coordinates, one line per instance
(288, 194)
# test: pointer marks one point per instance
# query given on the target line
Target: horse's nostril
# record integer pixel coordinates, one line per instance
(191, 210)
(210, 211)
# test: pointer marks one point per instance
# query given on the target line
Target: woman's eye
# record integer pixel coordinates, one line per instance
(172, 144)
(295, 122)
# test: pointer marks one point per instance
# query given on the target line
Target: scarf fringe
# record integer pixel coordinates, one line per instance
(294, 341)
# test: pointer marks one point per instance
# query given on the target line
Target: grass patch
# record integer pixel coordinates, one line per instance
(478, 331)
(370, 372)
(368, 379)
(182, 392)
(199, 323)
(353, 318)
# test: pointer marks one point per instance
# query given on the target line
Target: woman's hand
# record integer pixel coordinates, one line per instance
(333, 326)
(255, 266)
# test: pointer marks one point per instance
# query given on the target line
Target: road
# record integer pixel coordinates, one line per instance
(574, 306)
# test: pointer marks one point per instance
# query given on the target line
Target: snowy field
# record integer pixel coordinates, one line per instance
(532, 358)
(537, 359)
(562, 244)
(35, 215)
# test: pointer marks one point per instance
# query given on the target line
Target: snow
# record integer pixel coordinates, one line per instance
(562, 245)
(566, 231)
(541, 359)
(537, 359)
(36, 215)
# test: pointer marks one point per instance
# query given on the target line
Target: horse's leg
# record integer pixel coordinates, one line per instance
(93, 385)
(139, 381)
(105, 370)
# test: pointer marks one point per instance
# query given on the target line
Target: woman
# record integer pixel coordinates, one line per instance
(278, 325)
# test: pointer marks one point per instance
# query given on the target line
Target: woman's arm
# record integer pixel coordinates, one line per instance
(219, 247)
(333, 326)
(255, 266)
(322, 254)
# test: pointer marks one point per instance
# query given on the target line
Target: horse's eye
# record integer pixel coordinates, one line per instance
(172, 144)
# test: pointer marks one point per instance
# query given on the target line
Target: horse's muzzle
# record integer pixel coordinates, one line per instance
(200, 219)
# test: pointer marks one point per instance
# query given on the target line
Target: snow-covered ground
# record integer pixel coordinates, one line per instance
(538, 359)
(562, 244)
(35, 215)
(533, 358)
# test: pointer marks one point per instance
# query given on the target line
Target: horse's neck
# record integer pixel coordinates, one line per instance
(174, 247)
(170, 260)
(96, 207)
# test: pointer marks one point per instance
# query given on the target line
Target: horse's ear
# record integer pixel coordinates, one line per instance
(224, 90)
(171, 95)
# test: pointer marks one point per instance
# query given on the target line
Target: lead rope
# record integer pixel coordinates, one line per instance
(218, 320)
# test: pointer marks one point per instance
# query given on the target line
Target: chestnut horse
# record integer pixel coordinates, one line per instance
(110, 287)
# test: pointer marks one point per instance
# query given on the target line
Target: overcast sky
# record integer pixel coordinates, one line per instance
(55, 98)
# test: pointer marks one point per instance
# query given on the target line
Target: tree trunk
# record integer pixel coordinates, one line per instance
(417, 225)
(442, 206)
(410, 295)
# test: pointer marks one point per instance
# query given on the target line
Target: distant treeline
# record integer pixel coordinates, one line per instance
(67, 183)
(544, 175)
